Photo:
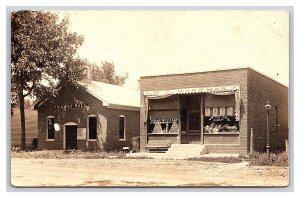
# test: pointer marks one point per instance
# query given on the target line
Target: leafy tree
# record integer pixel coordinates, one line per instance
(106, 73)
(43, 53)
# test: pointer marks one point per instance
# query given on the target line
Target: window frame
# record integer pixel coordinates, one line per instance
(47, 129)
(88, 128)
(124, 138)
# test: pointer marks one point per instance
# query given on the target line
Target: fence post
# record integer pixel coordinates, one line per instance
(287, 146)
(251, 141)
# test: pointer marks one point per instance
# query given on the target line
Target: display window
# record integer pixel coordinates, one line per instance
(219, 114)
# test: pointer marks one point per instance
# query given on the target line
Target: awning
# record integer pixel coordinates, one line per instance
(220, 89)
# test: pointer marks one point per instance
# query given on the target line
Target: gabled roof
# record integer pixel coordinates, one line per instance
(112, 96)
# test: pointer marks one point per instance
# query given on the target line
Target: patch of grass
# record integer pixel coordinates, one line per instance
(65, 154)
(229, 160)
(262, 159)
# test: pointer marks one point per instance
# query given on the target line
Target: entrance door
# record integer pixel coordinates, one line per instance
(191, 116)
(71, 137)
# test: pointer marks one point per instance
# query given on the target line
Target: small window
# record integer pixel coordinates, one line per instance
(50, 128)
(122, 127)
(92, 126)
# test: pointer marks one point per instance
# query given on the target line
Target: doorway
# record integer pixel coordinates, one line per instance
(70, 137)
(191, 119)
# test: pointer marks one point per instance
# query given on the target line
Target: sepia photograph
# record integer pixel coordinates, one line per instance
(149, 98)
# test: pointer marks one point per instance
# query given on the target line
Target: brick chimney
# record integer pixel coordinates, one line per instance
(87, 75)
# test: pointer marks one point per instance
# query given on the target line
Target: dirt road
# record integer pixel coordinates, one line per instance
(141, 172)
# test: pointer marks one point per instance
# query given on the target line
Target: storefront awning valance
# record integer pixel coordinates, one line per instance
(220, 89)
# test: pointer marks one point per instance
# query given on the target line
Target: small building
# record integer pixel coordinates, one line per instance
(102, 116)
(217, 109)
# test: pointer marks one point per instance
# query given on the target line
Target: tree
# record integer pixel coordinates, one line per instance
(106, 73)
(43, 53)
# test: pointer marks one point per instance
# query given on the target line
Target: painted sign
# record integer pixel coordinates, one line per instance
(70, 106)
(81, 133)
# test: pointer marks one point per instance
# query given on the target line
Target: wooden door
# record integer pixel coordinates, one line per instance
(71, 137)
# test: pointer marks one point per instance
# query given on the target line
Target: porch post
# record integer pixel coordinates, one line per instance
(179, 116)
(202, 118)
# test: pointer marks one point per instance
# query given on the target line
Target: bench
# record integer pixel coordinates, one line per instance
(158, 145)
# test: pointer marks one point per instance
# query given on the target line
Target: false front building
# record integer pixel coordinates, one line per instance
(216, 109)
(103, 116)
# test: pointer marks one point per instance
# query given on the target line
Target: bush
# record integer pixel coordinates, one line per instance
(229, 160)
(262, 159)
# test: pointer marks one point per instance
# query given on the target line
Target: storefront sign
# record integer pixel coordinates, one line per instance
(191, 90)
(81, 133)
(70, 106)
(164, 120)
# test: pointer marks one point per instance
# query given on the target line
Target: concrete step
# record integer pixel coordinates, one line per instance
(186, 146)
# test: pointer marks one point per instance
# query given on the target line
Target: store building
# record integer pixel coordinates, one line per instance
(103, 116)
(214, 108)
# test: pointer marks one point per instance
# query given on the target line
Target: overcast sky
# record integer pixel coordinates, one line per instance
(163, 42)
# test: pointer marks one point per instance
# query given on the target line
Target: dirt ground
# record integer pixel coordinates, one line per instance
(141, 172)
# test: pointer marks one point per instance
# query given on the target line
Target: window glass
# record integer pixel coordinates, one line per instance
(92, 127)
(121, 128)
(194, 102)
(194, 120)
(50, 122)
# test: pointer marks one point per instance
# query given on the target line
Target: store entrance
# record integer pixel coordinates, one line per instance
(191, 119)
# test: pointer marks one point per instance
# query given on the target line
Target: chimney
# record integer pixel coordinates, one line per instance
(87, 75)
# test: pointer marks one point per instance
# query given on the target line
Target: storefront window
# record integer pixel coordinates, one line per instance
(164, 125)
(219, 114)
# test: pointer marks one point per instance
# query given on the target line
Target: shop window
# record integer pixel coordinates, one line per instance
(122, 127)
(50, 128)
(164, 125)
(219, 114)
(92, 127)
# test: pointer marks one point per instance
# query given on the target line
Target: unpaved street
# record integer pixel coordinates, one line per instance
(141, 172)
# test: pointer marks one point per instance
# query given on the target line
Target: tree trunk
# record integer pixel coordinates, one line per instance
(22, 114)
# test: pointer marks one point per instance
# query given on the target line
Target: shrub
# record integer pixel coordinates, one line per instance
(262, 159)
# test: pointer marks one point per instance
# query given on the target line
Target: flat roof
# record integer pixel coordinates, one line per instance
(216, 70)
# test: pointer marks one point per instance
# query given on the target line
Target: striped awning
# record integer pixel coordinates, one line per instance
(220, 89)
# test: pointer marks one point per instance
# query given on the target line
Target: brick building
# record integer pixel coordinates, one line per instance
(103, 116)
(216, 109)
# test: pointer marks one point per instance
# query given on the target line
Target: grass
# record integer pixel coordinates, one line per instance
(229, 160)
(65, 154)
(30, 125)
(262, 159)
(255, 159)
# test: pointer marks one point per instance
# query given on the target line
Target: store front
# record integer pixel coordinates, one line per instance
(205, 115)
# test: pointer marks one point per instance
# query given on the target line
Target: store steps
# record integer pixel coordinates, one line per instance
(183, 151)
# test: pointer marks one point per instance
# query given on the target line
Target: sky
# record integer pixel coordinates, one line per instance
(154, 42)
